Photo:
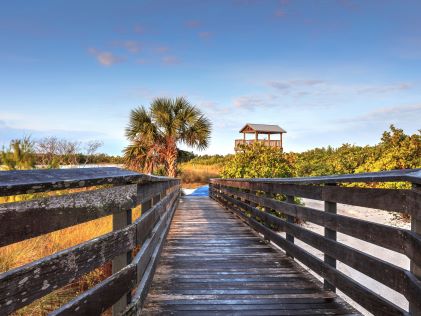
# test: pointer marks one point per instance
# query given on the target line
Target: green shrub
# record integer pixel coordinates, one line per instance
(259, 161)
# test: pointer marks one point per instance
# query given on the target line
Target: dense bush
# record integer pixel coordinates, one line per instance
(259, 161)
(396, 150)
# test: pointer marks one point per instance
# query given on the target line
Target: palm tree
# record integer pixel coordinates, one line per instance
(155, 133)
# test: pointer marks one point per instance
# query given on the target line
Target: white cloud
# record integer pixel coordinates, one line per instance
(131, 46)
(395, 113)
(105, 58)
(253, 102)
(170, 60)
(385, 88)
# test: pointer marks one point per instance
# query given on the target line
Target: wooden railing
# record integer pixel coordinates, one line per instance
(126, 288)
(271, 143)
(260, 202)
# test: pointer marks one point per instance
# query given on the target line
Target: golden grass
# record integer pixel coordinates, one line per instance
(198, 174)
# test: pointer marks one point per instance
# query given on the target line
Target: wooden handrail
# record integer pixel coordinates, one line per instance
(259, 203)
(22, 220)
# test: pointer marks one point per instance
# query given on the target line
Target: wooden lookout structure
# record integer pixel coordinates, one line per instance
(270, 135)
(236, 251)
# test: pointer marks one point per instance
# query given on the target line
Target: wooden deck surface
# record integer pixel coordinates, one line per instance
(214, 264)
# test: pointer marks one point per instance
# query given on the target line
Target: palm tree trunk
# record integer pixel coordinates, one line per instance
(171, 158)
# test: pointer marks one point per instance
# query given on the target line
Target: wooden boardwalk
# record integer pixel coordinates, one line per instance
(213, 263)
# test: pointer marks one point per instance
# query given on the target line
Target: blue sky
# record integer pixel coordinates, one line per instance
(327, 71)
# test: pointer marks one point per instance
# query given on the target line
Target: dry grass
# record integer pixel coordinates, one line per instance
(27, 251)
(198, 174)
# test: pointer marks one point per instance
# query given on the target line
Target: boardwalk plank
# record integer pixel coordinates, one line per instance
(214, 264)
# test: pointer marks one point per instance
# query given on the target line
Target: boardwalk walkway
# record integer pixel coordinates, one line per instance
(213, 263)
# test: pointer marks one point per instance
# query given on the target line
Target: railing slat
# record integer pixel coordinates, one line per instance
(121, 220)
(331, 234)
(43, 180)
(290, 219)
(410, 175)
(415, 267)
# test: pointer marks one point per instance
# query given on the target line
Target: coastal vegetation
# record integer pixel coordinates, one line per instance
(395, 150)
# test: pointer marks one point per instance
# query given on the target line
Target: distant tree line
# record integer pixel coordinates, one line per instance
(52, 152)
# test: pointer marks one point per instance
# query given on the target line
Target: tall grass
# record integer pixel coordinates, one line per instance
(196, 174)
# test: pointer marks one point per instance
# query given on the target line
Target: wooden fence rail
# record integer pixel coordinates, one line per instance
(118, 191)
(261, 203)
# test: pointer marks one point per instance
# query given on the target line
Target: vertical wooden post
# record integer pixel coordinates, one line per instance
(121, 220)
(330, 207)
(269, 139)
(256, 135)
(281, 140)
(156, 198)
(414, 268)
(290, 219)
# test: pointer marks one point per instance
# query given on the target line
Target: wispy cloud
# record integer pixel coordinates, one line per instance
(280, 13)
(193, 24)
(162, 49)
(254, 102)
(105, 58)
(385, 88)
(131, 46)
(141, 61)
(282, 85)
(139, 29)
(170, 60)
(205, 35)
(394, 112)
(286, 86)
(320, 87)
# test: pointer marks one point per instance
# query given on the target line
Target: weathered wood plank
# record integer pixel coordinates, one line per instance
(410, 175)
(43, 180)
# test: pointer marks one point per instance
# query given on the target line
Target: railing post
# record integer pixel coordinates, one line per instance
(290, 219)
(330, 207)
(121, 220)
(414, 268)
